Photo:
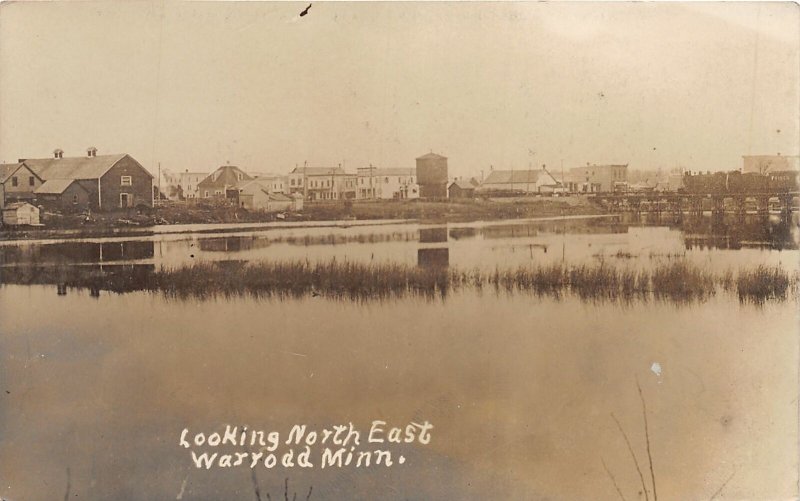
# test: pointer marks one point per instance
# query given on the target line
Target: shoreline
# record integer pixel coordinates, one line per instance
(234, 228)
(317, 215)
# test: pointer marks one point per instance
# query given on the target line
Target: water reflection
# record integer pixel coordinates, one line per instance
(432, 258)
(742, 232)
(78, 252)
(485, 245)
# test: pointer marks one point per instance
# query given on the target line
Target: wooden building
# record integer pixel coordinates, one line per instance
(461, 189)
(216, 184)
(112, 182)
(20, 213)
(17, 183)
(65, 195)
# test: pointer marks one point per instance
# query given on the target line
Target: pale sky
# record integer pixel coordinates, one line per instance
(196, 85)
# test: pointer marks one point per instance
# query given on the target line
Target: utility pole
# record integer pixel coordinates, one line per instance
(159, 183)
(305, 180)
(528, 179)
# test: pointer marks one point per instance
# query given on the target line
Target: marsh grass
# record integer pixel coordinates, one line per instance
(763, 283)
(675, 281)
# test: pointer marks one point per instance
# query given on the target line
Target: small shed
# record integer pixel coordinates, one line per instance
(461, 189)
(19, 213)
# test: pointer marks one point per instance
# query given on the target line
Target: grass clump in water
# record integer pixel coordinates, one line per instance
(677, 281)
(762, 283)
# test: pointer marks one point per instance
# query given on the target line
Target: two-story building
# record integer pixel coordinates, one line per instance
(219, 182)
(275, 183)
(322, 183)
(17, 183)
(386, 183)
(596, 178)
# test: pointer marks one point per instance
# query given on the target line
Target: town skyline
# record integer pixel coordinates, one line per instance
(196, 86)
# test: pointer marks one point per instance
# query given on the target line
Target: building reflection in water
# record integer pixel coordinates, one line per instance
(78, 252)
(751, 231)
(433, 254)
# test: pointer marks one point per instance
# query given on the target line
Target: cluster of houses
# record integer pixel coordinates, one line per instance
(117, 182)
(429, 179)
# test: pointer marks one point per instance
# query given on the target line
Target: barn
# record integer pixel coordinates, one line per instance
(111, 182)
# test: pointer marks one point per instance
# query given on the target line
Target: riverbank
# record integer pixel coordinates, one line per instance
(184, 216)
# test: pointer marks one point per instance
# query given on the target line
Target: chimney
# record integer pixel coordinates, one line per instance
(58, 153)
(91, 151)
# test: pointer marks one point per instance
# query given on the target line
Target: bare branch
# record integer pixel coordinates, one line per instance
(647, 437)
(633, 455)
(613, 480)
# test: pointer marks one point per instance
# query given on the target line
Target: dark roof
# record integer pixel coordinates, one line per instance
(7, 169)
(227, 175)
(318, 171)
(74, 167)
(431, 155)
(464, 185)
(512, 176)
(54, 186)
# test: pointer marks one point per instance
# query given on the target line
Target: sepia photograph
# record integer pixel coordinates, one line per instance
(389, 250)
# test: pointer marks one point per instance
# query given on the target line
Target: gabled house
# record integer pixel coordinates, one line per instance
(17, 183)
(112, 182)
(217, 184)
(461, 189)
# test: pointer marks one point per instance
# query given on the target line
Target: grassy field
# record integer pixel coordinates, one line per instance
(454, 210)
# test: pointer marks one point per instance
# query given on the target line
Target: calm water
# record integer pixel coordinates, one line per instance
(520, 389)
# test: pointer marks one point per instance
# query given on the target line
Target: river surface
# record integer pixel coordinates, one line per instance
(524, 392)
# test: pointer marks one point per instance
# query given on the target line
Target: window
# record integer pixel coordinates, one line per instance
(386, 180)
(74, 199)
(206, 194)
(31, 181)
(14, 181)
(125, 181)
(238, 176)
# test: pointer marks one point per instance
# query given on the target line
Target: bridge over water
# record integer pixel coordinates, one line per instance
(696, 203)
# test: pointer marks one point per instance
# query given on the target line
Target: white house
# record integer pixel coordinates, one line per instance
(524, 181)
(386, 183)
